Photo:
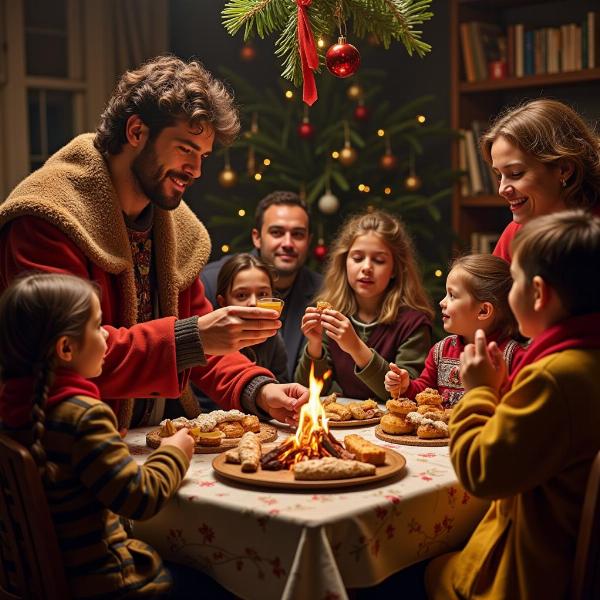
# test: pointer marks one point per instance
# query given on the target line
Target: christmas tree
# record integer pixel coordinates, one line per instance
(351, 150)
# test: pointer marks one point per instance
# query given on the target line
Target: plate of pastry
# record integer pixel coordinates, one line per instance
(345, 412)
(356, 462)
(423, 422)
(215, 431)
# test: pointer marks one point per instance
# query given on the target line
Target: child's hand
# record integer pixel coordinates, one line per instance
(182, 440)
(482, 364)
(396, 380)
(313, 331)
(339, 328)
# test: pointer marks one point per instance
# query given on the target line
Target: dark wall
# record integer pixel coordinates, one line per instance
(196, 30)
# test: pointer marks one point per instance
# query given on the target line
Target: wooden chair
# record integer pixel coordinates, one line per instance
(586, 570)
(33, 562)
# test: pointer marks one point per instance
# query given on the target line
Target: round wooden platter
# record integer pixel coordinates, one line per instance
(394, 464)
(352, 423)
(409, 440)
(268, 433)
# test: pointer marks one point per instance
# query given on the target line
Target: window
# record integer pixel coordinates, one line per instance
(53, 75)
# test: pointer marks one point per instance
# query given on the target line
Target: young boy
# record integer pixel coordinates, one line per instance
(530, 451)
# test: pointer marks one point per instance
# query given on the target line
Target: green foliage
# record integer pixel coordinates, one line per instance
(387, 20)
(307, 165)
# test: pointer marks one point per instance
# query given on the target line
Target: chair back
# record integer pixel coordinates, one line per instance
(586, 569)
(31, 563)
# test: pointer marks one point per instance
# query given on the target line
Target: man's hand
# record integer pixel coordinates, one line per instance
(228, 329)
(282, 400)
(396, 380)
(482, 364)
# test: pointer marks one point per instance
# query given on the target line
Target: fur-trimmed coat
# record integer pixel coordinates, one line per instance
(66, 217)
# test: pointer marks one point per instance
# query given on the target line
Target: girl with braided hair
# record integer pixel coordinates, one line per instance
(51, 343)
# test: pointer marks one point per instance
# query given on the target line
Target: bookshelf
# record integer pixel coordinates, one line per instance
(477, 98)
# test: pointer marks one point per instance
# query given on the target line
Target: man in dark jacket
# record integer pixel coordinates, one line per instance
(281, 237)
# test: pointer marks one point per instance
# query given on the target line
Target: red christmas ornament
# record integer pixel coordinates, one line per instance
(342, 59)
(247, 53)
(361, 113)
(306, 130)
(388, 162)
(320, 251)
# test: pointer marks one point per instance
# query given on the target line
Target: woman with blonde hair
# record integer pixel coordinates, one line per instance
(379, 311)
(546, 158)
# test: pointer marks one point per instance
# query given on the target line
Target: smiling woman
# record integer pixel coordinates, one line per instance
(547, 159)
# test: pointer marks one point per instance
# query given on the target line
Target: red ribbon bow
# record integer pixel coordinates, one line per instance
(308, 53)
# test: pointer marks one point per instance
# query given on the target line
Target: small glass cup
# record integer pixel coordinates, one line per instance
(270, 303)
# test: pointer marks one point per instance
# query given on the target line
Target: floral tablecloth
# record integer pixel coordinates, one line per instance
(264, 544)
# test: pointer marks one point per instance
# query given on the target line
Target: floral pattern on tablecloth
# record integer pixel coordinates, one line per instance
(228, 529)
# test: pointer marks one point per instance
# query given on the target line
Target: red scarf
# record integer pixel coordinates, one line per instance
(16, 395)
(581, 332)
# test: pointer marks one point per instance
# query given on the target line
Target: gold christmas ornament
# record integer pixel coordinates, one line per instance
(227, 177)
(354, 92)
(412, 183)
(348, 156)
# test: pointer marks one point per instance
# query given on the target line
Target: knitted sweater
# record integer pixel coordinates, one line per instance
(405, 342)
(97, 480)
(442, 368)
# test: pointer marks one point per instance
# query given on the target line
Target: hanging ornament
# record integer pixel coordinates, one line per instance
(227, 177)
(342, 59)
(354, 92)
(251, 162)
(306, 130)
(348, 154)
(388, 162)
(328, 203)
(248, 53)
(320, 251)
(413, 182)
(361, 112)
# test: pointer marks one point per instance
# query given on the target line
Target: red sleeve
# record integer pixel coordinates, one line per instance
(223, 378)
(502, 248)
(427, 378)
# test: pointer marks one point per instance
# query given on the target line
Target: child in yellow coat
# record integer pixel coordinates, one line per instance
(530, 451)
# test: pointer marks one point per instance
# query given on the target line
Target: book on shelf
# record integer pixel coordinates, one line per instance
(528, 51)
(484, 242)
(472, 162)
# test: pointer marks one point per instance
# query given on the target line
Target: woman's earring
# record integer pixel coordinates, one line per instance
(563, 183)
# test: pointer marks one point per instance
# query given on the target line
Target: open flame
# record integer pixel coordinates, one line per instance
(312, 438)
(312, 414)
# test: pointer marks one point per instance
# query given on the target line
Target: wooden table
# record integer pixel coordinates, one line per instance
(263, 543)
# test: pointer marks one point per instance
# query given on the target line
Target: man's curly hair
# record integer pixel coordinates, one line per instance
(162, 91)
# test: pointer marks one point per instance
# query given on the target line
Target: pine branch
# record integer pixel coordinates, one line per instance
(388, 20)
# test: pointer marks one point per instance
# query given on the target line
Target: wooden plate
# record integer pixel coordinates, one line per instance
(394, 464)
(409, 440)
(350, 422)
(353, 423)
(268, 433)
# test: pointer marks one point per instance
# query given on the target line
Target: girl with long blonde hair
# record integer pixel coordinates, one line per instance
(380, 312)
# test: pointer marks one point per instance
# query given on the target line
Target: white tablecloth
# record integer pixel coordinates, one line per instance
(263, 544)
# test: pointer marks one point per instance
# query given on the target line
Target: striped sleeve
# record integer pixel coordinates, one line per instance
(104, 465)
